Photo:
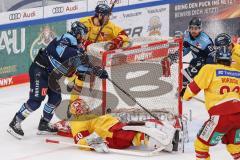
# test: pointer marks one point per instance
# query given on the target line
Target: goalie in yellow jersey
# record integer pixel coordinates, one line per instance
(115, 35)
(107, 131)
(221, 85)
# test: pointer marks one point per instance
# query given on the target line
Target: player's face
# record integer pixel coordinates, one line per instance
(103, 18)
(106, 18)
(194, 31)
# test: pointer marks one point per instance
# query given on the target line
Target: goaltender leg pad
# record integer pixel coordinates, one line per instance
(162, 132)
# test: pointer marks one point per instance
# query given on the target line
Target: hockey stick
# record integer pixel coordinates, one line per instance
(104, 23)
(199, 100)
(118, 151)
(190, 80)
(133, 99)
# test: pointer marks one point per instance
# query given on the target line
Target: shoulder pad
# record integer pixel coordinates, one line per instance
(85, 20)
(205, 38)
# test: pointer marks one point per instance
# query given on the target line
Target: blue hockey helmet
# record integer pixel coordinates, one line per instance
(223, 39)
(223, 53)
(102, 9)
(78, 28)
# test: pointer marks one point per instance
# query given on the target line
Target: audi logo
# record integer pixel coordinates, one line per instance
(57, 10)
(14, 16)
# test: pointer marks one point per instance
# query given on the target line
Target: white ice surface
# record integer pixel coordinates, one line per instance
(33, 147)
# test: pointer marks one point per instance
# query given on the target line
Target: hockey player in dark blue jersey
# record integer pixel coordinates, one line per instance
(61, 50)
(201, 47)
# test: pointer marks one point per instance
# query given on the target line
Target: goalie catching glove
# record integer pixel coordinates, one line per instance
(96, 142)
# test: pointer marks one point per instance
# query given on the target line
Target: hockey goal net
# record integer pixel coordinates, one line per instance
(148, 69)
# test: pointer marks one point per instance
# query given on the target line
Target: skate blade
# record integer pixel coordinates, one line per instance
(11, 131)
(46, 133)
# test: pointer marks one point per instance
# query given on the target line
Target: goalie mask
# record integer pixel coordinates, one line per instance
(78, 107)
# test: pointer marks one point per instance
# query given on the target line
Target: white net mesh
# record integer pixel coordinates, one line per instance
(142, 70)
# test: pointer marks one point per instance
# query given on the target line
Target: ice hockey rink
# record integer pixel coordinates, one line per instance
(19, 43)
(33, 147)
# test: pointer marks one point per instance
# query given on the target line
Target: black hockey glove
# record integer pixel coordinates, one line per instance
(101, 73)
(197, 63)
(182, 92)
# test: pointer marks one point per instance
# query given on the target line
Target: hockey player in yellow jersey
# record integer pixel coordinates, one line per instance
(110, 32)
(221, 85)
(235, 55)
(115, 35)
(88, 129)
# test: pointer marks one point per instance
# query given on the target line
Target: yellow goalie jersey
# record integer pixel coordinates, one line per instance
(100, 125)
(236, 56)
(109, 32)
(221, 85)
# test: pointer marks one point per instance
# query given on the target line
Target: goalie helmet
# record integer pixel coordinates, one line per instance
(78, 28)
(102, 9)
(78, 107)
(223, 39)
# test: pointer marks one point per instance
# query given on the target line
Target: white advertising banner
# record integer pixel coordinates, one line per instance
(144, 21)
(140, 1)
(65, 8)
(21, 15)
(93, 3)
(141, 22)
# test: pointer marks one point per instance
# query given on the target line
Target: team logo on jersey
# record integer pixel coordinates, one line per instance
(155, 26)
(46, 35)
